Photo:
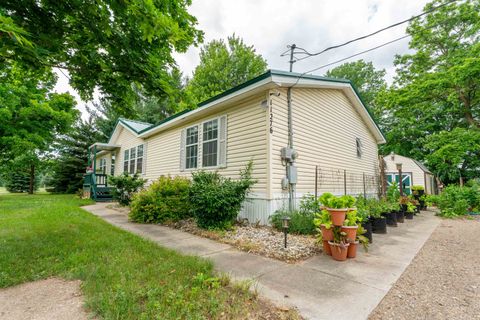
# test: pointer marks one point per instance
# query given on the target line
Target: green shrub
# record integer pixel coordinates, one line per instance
(308, 204)
(300, 222)
(216, 200)
(124, 186)
(166, 199)
(456, 201)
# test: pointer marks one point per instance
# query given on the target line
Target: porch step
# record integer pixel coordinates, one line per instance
(103, 194)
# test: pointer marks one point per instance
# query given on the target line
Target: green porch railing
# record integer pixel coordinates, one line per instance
(96, 185)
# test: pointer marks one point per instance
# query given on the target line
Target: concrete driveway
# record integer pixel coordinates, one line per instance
(318, 287)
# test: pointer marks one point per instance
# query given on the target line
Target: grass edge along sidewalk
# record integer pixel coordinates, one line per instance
(123, 276)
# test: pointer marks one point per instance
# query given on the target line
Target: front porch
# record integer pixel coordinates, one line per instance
(95, 180)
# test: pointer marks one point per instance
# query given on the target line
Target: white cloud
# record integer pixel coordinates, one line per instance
(270, 25)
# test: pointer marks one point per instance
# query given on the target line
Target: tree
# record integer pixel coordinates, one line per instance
(437, 87)
(368, 80)
(72, 159)
(223, 66)
(31, 117)
(115, 46)
(455, 154)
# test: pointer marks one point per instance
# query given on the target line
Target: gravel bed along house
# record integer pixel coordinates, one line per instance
(260, 240)
(443, 281)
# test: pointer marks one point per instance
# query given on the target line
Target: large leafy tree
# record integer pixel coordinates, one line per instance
(368, 80)
(30, 116)
(223, 65)
(454, 154)
(119, 47)
(437, 88)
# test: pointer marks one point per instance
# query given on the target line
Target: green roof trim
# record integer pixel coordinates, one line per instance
(267, 74)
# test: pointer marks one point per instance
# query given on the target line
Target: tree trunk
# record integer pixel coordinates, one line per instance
(32, 178)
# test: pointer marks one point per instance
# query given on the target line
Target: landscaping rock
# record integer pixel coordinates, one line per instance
(260, 240)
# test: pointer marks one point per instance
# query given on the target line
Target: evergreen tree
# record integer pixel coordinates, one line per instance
(73, 156)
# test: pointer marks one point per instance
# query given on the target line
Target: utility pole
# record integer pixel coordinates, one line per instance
(291, 186)
(292, 48)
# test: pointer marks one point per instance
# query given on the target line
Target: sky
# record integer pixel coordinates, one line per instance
(271, 25)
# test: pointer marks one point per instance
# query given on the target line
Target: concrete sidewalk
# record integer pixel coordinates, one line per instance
(319, 287)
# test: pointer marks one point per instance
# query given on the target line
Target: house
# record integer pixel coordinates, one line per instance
(333, 134)
(414, 173)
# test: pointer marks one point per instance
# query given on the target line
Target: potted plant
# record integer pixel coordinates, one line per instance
(410, 210)
(386, 211)
(395, 207)
(350, 226)
(339, 245)
(379, 222)
(360, 239)
(364, 216)
(323, 222)
(337, 207)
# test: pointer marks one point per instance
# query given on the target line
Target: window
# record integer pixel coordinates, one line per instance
(112, 165)
(133, 160)
(103, 165)
(133, 156)
(140, 158)
(126, 157)
(204, 145)
(210, 143)
(358, 143)
(191, 148)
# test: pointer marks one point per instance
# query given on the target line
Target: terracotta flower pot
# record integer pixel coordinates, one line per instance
(338, 216)
(352, 249)
(326, 248)
(351, 232)
(327, 234)
(339, 251)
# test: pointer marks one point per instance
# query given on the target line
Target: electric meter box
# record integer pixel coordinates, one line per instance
(287, 154)
(292, 174)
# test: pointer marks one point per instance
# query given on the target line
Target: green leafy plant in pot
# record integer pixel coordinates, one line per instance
(379, 222)
(323, 222)
(350, 225)
(339, 245)
(337, 206)
(364, 213)
(410, 210)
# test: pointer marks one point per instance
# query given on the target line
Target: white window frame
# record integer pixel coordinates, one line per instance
(192, 144)
(135, 160)
(126, 160)
(102, 166)
(358, 147)
(200, 145)
(113, 160)
(218, 143)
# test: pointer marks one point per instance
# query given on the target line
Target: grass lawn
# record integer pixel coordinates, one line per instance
(124, 276)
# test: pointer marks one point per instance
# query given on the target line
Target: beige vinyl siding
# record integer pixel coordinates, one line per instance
(408, 166)
(325, 126)
(126, 139)
(246, 140)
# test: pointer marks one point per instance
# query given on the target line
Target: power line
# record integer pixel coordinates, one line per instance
(370, 34)
(349, 57)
